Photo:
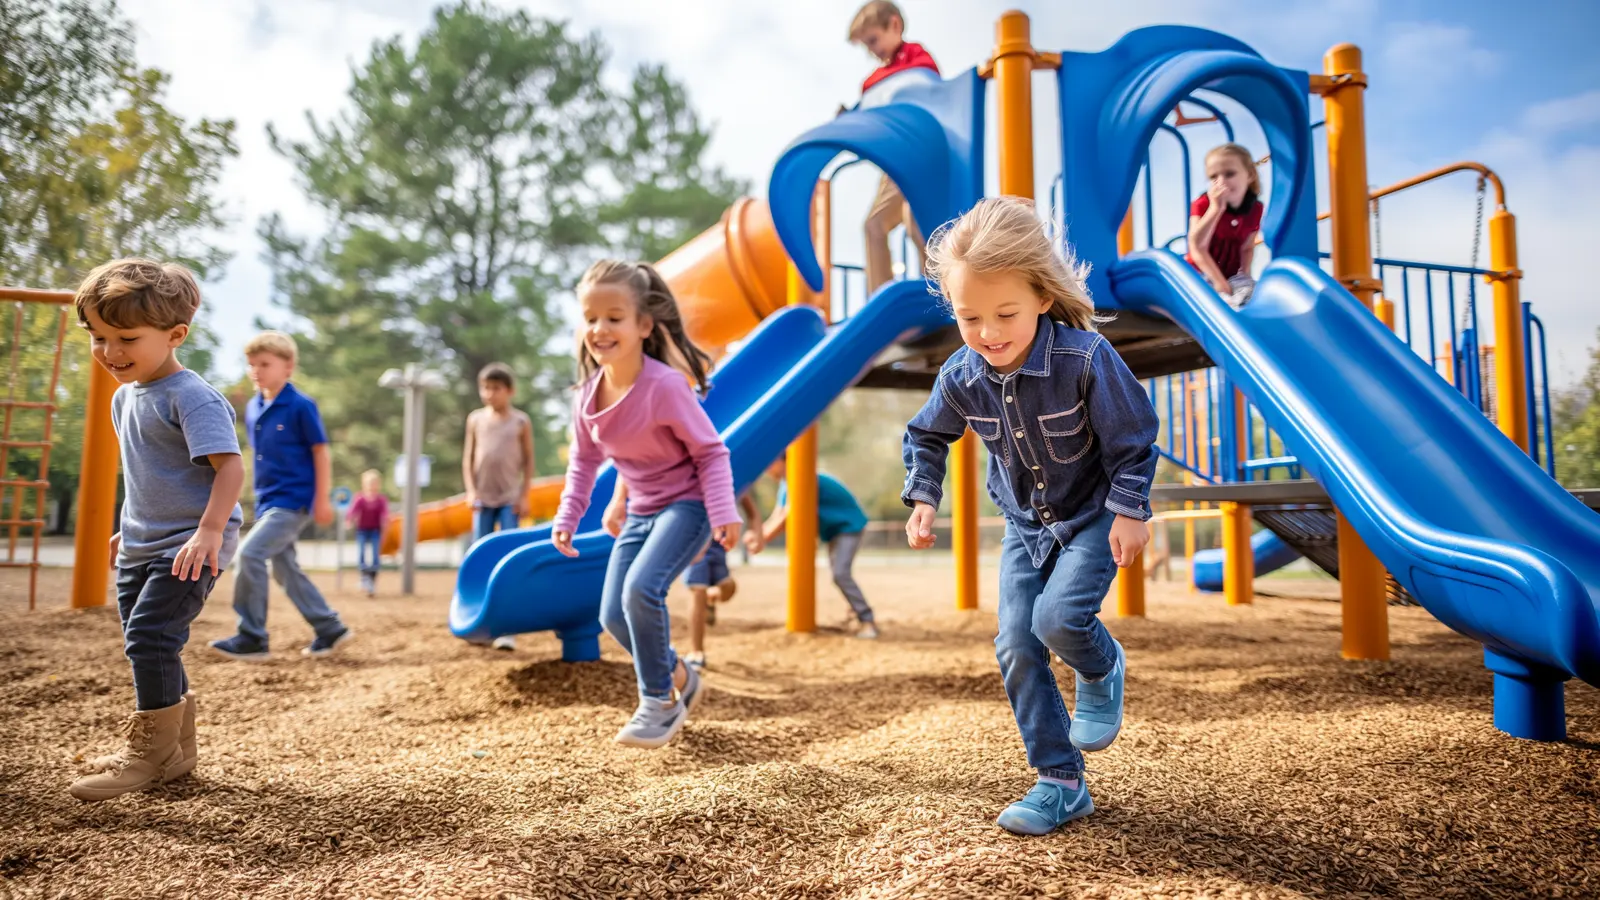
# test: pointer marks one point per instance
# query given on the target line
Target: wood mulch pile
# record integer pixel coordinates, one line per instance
(1255, 763)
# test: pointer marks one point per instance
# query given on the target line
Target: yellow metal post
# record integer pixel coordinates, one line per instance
(1365, 614)
(1238, 560)
(97, 493)
(1510, 378)
(1013, 76)
(1130, 581)
(1361, 576)
(800, 529)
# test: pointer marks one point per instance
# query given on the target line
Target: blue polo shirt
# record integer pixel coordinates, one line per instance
(282, 432)
(837, 510)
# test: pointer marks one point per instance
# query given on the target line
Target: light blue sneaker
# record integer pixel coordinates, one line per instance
(654, 723)
(1097, 712)
(1046, 807)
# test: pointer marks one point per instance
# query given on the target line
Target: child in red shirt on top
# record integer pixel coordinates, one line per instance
(879, 26)
(1223, 223)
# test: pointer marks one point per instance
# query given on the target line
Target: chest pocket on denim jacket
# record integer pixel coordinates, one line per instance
(993, 433)
(1067, 436)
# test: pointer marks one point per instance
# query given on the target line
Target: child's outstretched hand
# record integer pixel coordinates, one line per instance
(919, 528)
(563, 543)
(1128, 537)
(727, 535)
(753, 541)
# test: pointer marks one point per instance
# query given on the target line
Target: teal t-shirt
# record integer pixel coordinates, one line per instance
(837, 510)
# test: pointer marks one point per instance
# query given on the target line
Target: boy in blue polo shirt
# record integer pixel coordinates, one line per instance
(840, 523)
(293, 474)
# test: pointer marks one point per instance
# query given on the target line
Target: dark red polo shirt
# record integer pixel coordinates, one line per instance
(907, 56)
(1235, 230)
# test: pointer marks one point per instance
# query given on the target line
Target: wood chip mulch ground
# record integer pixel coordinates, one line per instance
(1255, 763)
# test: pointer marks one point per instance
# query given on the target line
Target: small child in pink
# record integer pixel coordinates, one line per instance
(368, 514)
(674, 492)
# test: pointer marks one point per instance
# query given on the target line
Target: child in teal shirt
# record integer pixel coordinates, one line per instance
(840, 523)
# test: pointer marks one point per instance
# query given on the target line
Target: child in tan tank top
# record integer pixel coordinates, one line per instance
(497, 461)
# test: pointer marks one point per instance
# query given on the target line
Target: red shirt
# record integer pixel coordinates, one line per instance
(906, 56)
(368, 513)
(1236, 228)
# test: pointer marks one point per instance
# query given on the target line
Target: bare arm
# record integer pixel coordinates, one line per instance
(1247, 256)
(527, 455)
(468, 451)
(748, 507)
(224, 490)
(1200, 230)
(321, 503)
(774, 523)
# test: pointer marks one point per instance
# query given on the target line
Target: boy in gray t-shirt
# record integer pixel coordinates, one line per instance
(182, 474)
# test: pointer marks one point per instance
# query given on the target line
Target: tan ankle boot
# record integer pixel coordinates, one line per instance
(186, 740)
(152, 752)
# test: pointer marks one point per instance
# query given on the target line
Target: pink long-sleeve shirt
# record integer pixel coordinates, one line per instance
(660, 440)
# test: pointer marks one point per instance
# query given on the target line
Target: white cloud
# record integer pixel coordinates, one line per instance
(1434, 55)
(1564, 113)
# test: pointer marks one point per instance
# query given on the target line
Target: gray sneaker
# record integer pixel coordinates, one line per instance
(654, 723)
(505, 642)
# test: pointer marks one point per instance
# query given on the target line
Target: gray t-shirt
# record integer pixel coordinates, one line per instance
(166, 429)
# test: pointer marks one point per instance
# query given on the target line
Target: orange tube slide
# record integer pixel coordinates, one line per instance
(726, 280)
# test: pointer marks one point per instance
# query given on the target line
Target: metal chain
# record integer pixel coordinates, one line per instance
(1477, 241)
(1377, 227)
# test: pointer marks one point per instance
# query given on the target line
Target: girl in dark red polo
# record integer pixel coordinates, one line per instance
(1223, 223)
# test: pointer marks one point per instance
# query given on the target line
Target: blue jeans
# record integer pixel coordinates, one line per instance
(156, 609)
(1047, 608)
(272, 539)
(486, 518)
(650, 553)
(368, 540)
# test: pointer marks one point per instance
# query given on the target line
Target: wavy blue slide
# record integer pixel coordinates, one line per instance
(1270, 552)
(1470, 525)
(778, 383)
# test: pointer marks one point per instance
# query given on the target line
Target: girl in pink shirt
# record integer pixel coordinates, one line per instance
(635, 406)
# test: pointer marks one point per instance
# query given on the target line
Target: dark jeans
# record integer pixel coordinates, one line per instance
(156, 609)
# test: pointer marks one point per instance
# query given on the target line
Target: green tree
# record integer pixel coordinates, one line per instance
(1576, 427)
(468, 181)
(94, 166)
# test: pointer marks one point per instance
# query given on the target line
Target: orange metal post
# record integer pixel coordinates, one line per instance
(1130, 581)
(1012, 67)
(1361, 576)
(1365, 614)
(1238, 562)
(1510, 378)
(800, 535)
(97, 493)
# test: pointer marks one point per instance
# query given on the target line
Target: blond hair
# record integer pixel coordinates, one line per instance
(139, 293)
(372, 475)
(652, 297)
(876, 12)
(275, 342)
(1239, 152)
(1002, 234)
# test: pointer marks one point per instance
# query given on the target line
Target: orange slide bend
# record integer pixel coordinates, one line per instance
(726, 280)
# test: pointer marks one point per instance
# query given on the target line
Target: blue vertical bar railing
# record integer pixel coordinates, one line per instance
(849, 281)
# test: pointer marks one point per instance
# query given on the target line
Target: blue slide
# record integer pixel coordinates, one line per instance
(1469, 524)
(1270, 552)
(780, 382)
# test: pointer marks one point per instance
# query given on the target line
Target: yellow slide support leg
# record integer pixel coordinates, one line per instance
(97, 493)
(1238, 557)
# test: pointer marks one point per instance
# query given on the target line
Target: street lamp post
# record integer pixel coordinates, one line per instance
(415, 381)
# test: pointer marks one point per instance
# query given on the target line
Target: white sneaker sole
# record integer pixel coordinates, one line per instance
(644, 743)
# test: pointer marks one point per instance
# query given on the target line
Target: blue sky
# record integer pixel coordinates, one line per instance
(1516, 86)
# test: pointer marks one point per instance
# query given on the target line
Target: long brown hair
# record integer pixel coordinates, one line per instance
(1003, 234)
(667, 342)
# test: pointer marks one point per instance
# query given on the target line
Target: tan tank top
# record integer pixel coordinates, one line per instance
(497, 455)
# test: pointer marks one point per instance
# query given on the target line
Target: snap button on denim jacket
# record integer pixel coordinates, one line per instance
(1070, 433)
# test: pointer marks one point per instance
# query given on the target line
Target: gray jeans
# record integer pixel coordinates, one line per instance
(272, 539)
(841, 557)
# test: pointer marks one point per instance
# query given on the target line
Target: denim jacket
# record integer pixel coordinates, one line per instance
(1070, 433)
